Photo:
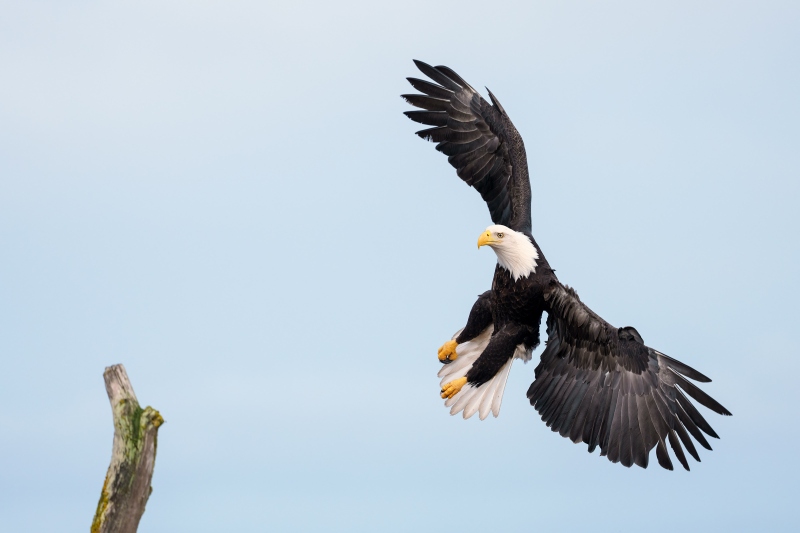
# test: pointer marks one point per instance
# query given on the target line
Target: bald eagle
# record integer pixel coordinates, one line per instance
(594, 382)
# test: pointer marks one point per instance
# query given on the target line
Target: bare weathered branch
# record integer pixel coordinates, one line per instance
(127, 485)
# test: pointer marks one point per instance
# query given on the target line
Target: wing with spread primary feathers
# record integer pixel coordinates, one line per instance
(601, 385)
(479, 140)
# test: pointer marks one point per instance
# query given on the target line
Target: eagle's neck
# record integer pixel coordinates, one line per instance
(518, 257)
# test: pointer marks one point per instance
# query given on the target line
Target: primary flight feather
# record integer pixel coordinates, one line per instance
(594, 383)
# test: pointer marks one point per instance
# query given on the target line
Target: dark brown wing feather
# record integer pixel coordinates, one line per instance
(601, 385)
(479, 140)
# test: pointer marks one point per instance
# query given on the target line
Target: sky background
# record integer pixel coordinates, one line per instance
(226, 198)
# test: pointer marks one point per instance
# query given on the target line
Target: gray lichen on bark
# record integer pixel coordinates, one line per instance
(127, 484)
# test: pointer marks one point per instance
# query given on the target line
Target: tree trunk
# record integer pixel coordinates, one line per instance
(133, 456)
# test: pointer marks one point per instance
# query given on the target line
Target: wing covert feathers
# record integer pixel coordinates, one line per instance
(480, 141)
(603, 386)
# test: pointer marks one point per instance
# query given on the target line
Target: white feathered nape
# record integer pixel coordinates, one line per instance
(487, 397)
(515, 251)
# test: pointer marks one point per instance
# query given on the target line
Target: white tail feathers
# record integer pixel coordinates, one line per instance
(488, 396)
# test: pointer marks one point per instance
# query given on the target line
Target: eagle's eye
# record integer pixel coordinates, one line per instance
(499, 235)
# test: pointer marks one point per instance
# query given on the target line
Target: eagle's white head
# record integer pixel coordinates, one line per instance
(515, 251)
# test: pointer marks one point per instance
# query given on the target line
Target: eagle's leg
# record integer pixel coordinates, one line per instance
(500, 349)
(453, 387)
(447, 353)
(480, 317)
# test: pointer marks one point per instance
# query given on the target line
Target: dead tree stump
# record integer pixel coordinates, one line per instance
(133, 457)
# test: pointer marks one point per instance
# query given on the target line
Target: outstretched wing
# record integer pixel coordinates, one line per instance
(603, 386)
(479, 140)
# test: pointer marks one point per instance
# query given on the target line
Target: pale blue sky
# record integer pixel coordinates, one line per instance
(226, 198)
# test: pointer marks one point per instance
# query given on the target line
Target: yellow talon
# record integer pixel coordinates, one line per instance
(447, 353)
(452, 388)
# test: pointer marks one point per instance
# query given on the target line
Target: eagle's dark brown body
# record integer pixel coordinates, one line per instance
(515, 310)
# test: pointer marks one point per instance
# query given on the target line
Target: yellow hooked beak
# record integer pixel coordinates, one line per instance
(485, 238)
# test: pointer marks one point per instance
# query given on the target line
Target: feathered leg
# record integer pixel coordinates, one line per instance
(479, 319)
(476, 384)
